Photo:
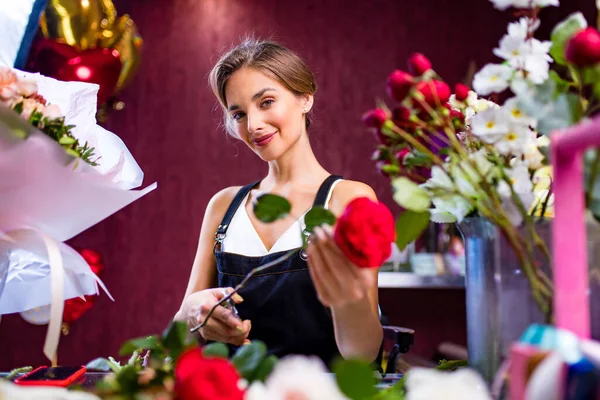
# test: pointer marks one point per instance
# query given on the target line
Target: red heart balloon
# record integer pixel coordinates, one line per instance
(75, 308)
(67, 63)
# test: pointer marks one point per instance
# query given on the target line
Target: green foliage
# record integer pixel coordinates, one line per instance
(316, 216)
(409, 226)
(61, 133)
(355, 378)
(271, 207)
(248, 358)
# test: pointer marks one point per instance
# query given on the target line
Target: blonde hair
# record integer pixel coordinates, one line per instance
(268, 57)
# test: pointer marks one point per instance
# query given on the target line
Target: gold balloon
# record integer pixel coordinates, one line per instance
(77, 22)
(87, 24)
(129, 46)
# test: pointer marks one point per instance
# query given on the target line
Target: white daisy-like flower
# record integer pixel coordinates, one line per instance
(489, 125)
(522, 27)
(514, 141)
(511, 48)
(493, 78)
(297, 377)
(463, 384)
(515, 113)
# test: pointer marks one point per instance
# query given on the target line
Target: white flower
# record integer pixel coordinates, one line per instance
(520, 85)
(502, 4)
(493, 78)
(537, 60)
(450, 208)
(523, 187)
(439, 179)
(514, 140)
(29, 106)
(489, 125)
(428, 384)
(469, 101)
(27, 87)
(52, 112)
(297, 377)
(545, 3)
(533, 158)
(511, 49)
(515, 113)
(523, 27)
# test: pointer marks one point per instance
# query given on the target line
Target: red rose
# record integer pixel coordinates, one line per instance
(461, 92)
(399, 84)
(583, 49)
(435, 93)
(375, 118)
(200, 378)
(365, 232)
(418, 64)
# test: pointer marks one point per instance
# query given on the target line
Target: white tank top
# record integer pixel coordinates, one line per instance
(242, 238)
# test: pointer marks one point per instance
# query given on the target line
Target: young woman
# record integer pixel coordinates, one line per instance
(317, 302)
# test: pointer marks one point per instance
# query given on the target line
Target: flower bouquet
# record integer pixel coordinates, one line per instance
(467, 153)
(55, 184)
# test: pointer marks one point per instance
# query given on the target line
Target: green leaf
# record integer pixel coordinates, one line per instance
(355, 378)
(174, 338)
(417, 160)
(264, 368)
(409, 195)
(247, 358)
(318, 216)
(409, 226)
(271, 207)
(217, 350)
(562, 85)
(148, 343)
(562, 32)
(18, 108)
(591, 75)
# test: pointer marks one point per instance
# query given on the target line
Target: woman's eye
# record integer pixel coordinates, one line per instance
(267, 102)
(237, 116)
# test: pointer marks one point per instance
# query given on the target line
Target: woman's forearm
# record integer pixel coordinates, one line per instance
(358, 332)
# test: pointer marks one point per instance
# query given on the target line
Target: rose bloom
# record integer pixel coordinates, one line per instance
(8, 85)
(201, 378)
(29, 106)
(365, 232)
(52, 112)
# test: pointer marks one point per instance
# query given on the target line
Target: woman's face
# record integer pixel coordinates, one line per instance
(264, 114)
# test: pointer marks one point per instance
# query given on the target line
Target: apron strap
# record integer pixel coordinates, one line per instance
(323, 192)
(237, 201)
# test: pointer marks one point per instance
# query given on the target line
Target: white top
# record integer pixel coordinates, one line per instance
(242, 238)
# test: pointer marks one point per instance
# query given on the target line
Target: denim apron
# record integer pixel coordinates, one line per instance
(281, 302)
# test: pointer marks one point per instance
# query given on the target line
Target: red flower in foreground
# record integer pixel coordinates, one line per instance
(200, 378)
(365, 232)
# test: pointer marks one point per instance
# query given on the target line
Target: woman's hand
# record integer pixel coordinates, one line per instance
(338, 282)
(223, 325)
